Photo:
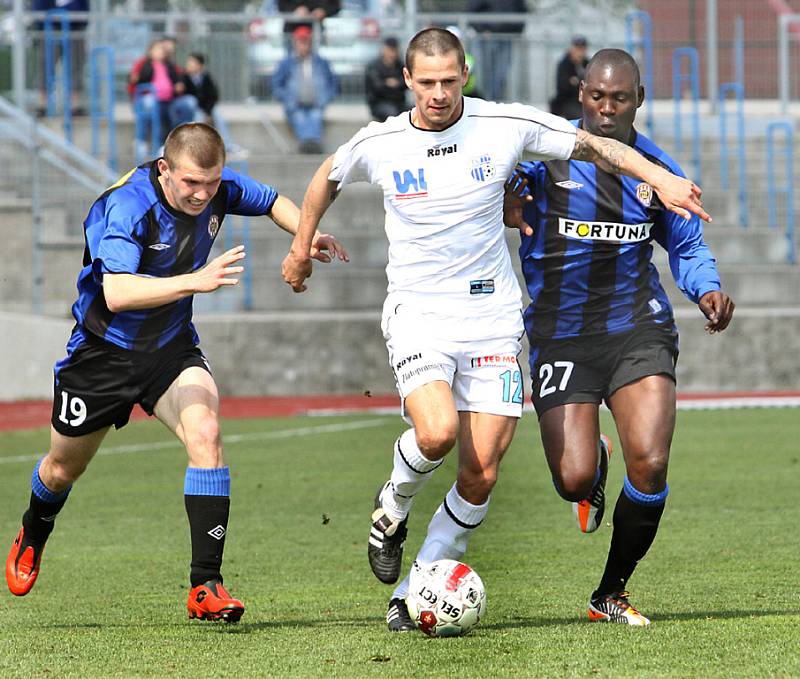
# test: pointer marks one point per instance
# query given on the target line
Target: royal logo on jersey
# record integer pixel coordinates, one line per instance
(483, 169)
(438, 151)
(213, 226)
(605, 231)
(569, 185)
(644, 192)
(410, 185)
(494, 359)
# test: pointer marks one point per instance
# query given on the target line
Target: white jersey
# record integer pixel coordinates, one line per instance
(443, 196)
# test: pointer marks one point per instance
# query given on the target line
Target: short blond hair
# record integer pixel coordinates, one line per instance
(199, 141)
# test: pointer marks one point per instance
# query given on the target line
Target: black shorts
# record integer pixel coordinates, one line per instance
(99, 383)
(590, 369)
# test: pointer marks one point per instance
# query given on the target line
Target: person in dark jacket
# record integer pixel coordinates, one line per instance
(569, 73)
(200, 84)
(495, 43)
(386, 89)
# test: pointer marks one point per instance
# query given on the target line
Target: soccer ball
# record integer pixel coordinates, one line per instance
(446, 598)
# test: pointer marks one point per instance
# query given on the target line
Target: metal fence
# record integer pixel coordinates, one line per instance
(47, 193)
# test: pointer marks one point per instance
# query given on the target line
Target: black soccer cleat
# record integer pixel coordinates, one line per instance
(386, 539)
(615, 608)
(398, 618)
(589, 512)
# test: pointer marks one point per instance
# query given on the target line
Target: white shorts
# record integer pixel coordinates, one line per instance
(484, 375)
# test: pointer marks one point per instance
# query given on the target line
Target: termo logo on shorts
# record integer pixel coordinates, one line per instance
(494, 360)
(607, 231)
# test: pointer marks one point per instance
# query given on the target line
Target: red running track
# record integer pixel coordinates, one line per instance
(28, 414)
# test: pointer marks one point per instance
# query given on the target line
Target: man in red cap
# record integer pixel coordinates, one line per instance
(305, 84)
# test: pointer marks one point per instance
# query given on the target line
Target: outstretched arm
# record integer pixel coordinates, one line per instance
(680, 195)
(126, 292)
(320, 193)
(324, 246)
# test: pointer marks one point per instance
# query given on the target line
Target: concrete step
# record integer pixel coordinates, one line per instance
(763, 285)
(735, 245)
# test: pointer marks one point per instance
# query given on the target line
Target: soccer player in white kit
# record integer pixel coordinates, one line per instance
(452, 317)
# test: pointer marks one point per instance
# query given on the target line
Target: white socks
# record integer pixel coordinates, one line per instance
(410, 473)
(448, 533)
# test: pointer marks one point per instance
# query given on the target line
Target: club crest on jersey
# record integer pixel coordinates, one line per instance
(644, 192)
(483, 169)
(213, 226)
(605, 231)
(569, 185)
(410, 185)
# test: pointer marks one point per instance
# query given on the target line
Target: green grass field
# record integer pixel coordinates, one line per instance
(720, 584)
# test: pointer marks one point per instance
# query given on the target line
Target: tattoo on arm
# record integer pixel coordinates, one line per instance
(608, 153)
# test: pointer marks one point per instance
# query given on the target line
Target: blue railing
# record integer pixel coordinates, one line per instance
(97, 110)
(240, 227)
(62, 16)
(645, 42)
(775, 189)
(737, 90)
(141, 117)
(679, 78)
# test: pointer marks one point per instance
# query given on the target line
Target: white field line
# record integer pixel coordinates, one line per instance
(711, 403)
(231, 438)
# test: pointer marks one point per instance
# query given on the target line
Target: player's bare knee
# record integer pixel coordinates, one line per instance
(436, 444)
(58, 475)
(576, 486)
(203, 442)
(648, 473)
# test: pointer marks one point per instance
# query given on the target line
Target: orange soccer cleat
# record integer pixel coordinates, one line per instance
(211, 601)
(22, 564)
(615, 608)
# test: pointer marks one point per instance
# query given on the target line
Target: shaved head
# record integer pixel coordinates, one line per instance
(614, 59)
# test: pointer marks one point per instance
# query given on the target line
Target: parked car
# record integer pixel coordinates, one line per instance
(349, 40)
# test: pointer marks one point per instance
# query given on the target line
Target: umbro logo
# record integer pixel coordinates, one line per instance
(159, 246)
(218, 532)
(569, 185)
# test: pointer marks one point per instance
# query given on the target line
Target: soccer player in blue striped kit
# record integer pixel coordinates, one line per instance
(148, 239)
(601, 326)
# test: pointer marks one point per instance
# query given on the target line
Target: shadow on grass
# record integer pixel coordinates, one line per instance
(375, 621)
(700, 615)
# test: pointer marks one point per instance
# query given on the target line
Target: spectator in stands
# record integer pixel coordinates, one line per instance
(385, 86)
(305, 84)
(77, 57)
(307, 10)
(569, 73)
(160, 75)
(494, 53)
(183, 107)
(200, 85)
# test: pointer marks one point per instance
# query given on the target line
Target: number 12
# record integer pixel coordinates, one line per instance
(508, 377)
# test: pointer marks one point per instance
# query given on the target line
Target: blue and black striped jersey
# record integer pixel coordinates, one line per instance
(132, 229)
(588, 265)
